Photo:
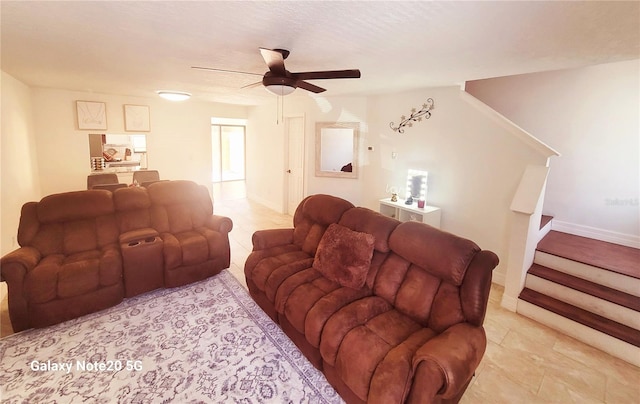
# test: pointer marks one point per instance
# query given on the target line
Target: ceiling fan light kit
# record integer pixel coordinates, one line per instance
(281, 81)
(279, 89)
(279, 85)
(174, 95)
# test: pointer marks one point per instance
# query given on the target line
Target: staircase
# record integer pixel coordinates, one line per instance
(587, 289)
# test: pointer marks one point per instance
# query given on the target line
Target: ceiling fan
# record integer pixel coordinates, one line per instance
(280, 81)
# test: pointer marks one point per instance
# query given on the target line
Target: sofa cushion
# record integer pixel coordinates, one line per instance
(344, 256)
(326, 307)
(186, 248)
(132, 208)
(369, 339)
(299, 293)
(179, 206)
(444, 255)
(69, 223)
(59, 277)
(131, 198)
(78, 205)
(368, 221)
(312, 217)
(275, 265)
(80, 235)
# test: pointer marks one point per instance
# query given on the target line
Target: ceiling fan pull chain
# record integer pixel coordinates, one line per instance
(278, 110)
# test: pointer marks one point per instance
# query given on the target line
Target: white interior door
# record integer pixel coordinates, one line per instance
(295, 164)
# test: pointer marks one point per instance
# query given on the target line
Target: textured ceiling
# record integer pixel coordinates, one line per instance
(136, 48)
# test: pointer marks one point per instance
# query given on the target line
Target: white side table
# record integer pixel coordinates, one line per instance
(404, 213)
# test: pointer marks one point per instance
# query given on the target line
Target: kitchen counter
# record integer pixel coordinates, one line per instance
(111, 164)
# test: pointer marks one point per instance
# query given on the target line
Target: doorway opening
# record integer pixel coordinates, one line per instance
(294, 185)
(228, 155)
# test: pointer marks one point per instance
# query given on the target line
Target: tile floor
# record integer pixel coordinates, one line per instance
(525, 362)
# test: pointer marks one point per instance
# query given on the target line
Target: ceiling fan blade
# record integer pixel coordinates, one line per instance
(309, 87)
(223, 70)
(328, 74)
(274, 59)
(256, 84)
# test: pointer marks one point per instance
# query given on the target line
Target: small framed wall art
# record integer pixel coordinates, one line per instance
(91, 115)
(136, 118)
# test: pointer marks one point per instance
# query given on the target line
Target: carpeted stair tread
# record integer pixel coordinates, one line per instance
(612, 257)
(602, 324)
(544, 220)
(585, 286)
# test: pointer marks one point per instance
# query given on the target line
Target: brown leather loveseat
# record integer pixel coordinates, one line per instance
(390, 312)
(84, 251)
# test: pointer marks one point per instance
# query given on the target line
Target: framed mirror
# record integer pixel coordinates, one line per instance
(337, 149)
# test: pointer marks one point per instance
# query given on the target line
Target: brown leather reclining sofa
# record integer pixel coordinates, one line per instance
(390, 312)
(85, 251)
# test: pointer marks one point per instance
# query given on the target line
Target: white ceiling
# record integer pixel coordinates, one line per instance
(136, 48)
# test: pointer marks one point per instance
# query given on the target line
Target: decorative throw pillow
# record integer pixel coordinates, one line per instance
(344, 256)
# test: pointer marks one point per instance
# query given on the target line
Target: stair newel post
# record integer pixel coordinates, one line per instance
(523, 236)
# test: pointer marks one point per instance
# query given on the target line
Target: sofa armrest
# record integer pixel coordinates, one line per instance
(220, 224)
(263, 239)
(456, 353)
(13, 270)
(25, 258)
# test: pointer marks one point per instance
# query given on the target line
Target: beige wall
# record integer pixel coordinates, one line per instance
(591, 116)
(19, 179)
(43, 152)
(179, 143)
(265, 156)
(474, 162)
(266, 159)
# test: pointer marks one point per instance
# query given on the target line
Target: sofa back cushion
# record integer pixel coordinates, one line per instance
(69, 222)
(132, 208)
(371, 222)
(312, 217)
(179, 206)
(379, 226)
(443, 255)
(423, 273)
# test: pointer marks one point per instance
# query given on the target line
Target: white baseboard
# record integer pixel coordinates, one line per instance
(628, 240)
(509, 303)
(498, 277)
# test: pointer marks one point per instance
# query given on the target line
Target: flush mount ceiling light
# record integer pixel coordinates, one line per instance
(174, 95)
